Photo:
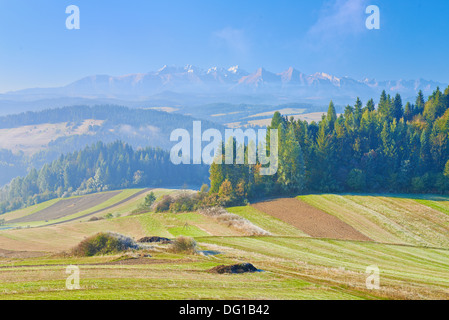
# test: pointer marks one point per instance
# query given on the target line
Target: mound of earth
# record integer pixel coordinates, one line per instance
(309, 219)
(154, 240)
(236, 268)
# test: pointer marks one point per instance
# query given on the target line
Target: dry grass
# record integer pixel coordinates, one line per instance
(234, 221)
(184, 245)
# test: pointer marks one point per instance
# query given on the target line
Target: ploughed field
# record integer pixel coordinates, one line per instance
(309, 247)
(311, 220)
(67, 207)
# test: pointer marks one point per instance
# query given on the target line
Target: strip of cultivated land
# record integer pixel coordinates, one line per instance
(310, 220)
(67, 207)
(409, 246)
(421, 220)
(293, 268)
(65, 210)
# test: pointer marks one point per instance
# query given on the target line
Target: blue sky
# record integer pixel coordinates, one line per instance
(122, 37)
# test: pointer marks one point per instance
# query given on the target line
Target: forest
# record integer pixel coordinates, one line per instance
(390, 148)
(96, 168)
(137, 127)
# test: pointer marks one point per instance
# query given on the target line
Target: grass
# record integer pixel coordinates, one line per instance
(393, 219)
(418, 271)
(119, 197)
(294, 268)
(411, 251)
(28, 211)
(187, 280)
(267, 222)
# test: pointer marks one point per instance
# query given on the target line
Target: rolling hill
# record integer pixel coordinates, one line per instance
(32, 139)
(296, 265)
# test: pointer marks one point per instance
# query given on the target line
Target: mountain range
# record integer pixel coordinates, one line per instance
(190, 85)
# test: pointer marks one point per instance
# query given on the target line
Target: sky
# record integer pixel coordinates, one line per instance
(138, 36)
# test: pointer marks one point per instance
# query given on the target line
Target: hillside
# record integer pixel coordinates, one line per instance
(295, 265)
(99, 167)
(32, 139)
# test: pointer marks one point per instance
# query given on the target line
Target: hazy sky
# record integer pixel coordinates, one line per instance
(122, 37)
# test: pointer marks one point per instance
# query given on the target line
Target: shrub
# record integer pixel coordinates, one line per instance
(96, 218)
(146, 205)
(104, 243)
(109, 216)
(184, 245)
(164, 204)
(185, 203)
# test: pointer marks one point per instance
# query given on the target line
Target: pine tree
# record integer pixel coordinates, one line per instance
(397, 112)
(384, 105)
(331, 116)
(291, 169)
(370, 106)
(357, 113)
(216, 177)
(419, 104)
(409, 111)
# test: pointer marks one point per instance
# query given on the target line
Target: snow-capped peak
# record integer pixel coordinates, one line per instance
(212, 70)
(234, 69)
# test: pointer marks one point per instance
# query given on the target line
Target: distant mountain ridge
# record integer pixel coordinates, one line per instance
(194, 79)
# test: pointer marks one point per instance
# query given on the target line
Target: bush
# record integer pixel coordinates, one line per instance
(109, 216)
(146, 205)
(96, 218)
(184, 245)
(185, 203)
(164, 204)
(104, 243)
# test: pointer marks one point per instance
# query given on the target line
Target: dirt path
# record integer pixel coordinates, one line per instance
(310, 220)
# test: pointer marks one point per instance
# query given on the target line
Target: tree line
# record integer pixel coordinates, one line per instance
(389, 148)
(96, 168)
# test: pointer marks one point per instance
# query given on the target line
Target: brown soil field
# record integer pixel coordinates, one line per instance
(310, 220)
(67, 207)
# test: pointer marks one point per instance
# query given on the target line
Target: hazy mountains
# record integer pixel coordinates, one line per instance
(190, 85)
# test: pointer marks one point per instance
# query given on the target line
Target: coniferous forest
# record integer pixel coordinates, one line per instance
(388, 148)
(391, 148)
(99, 167)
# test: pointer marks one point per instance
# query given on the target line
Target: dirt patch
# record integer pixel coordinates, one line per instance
(67, 207)
(154, 240)
(236, 268)
(310, 220)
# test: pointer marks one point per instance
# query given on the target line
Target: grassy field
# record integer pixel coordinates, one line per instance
(410, 248)
(403, 219)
